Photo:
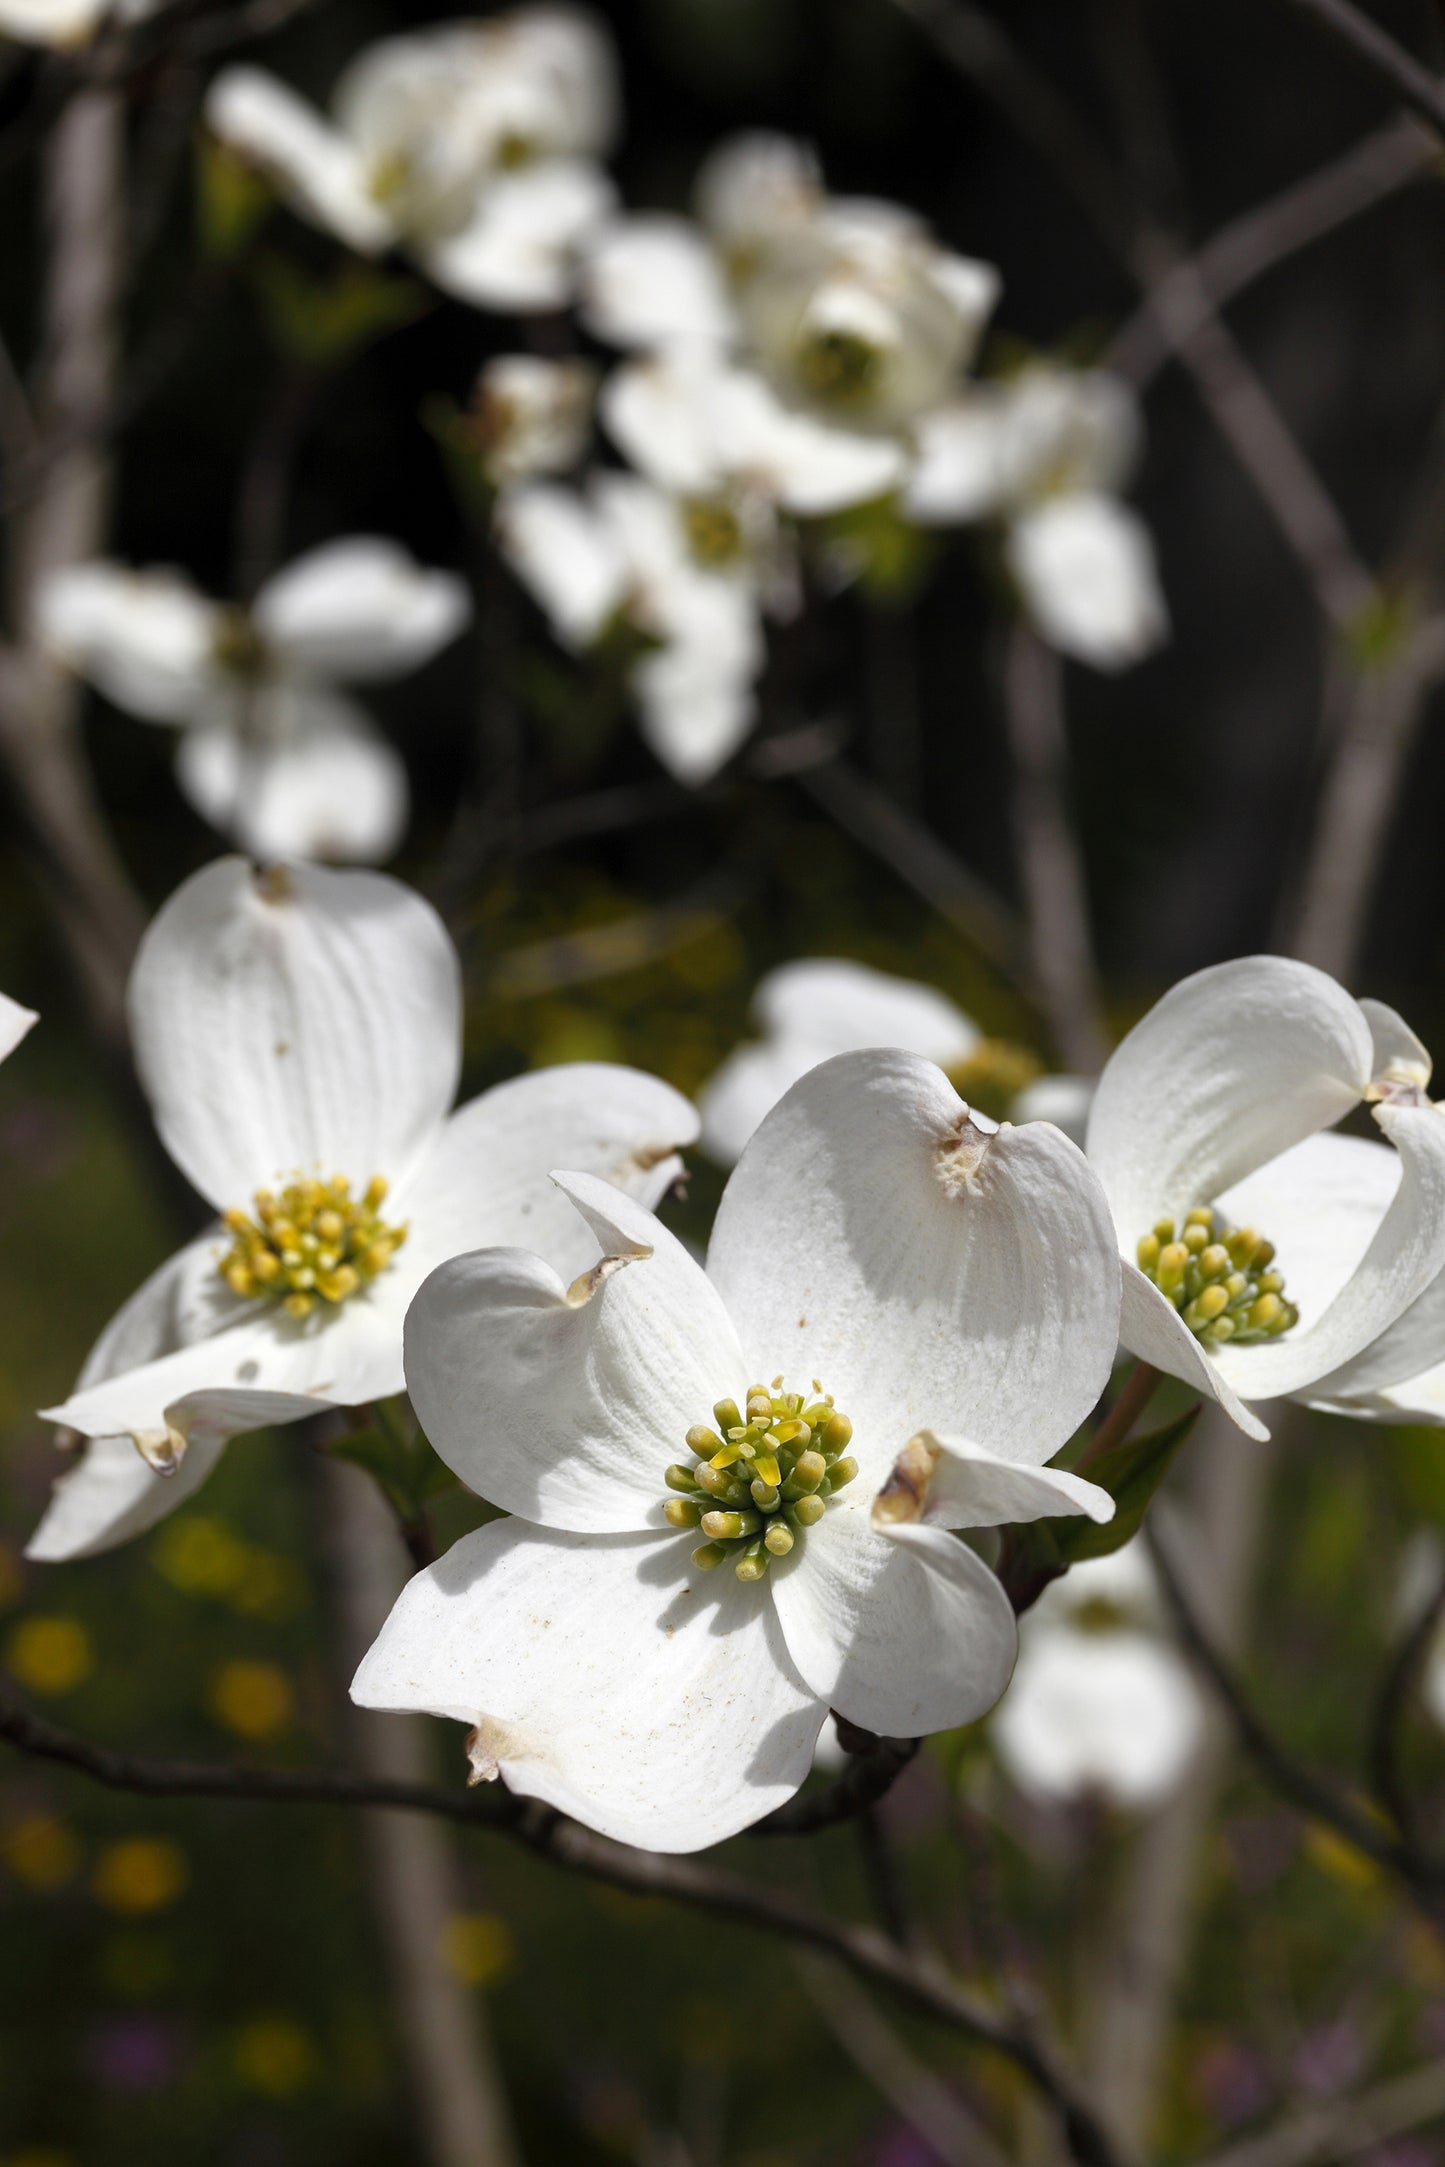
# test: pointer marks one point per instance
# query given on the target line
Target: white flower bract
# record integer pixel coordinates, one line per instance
(951, 1286)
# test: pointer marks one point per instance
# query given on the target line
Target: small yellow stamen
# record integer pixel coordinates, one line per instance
(755, 1493)
(313, 1241)
(1218, 1279)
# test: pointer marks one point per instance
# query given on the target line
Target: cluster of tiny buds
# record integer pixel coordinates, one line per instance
(313, 1240)
(1218, 1280)
(761, 1478)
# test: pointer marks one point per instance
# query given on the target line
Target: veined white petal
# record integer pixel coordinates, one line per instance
(1086, 567)
(360, 609)
(1115, 1714)
(1152, 1328)
(299, 1020)
(948, 1482)
(748, 1085)
(521, 248)
(904, 1631)
(933, 1272)
(486, 1180)
(653, 281)
(315, 166)
(1407, 1253)
(317, 779)
(662, 1711)
(565, 554)
(15, 1021)
(146, 639)
(1321, 1204)
(566, 1405)
(1230, 1068)
(1400, 1057)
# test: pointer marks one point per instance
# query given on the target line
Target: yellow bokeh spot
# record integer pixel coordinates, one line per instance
(254, 1700)
(1340, 1860)
(50, 1655)
(199, 1556)
(140, 1874)
(12, 1579)
(272, 1588)
(477, 1948)
(275, 2056)
(41, 1851)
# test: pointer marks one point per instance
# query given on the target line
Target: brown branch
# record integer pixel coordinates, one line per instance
(1380, 53)
(873, 1767)
(1134, 1396)
(1397, 1688)
(1337, 2129)
(919, 1982)
(1312, 1794)
(1050, 861)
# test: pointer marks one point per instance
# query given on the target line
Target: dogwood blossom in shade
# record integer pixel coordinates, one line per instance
(1048, 453)
(1101, 1704)
(15, 1022)
(272, 753)
(951, 1289)
(472, 145)
(530, 416)
(848, 306)
(620, 554)
(67, 22)
(1264, 1256)
(298, 1033)
(808, 1010)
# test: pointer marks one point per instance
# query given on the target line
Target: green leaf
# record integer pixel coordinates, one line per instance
(231, 200)
(1034, 1552)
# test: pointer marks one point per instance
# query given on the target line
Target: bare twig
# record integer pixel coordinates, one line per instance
(870, 1772)
(884, 1875)
(916, 2095)
(1397, 1687)
(919, 1982)
(1337, 2129)
(1134, 1396)
(1381, 54)
(1050, 861)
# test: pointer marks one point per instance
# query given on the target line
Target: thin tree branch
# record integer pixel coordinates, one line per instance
(919, 1982)
(1381, 54)
(1134, 1396)
(916, 2095)
(1337, 2129)
(1397, 1687)
(1050, 862)
(870, 1772)
(1307, 211)
(1312, 1794)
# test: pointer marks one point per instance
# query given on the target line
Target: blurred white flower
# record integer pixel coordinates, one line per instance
(298, 1033)
(530, 416)
(473, 145)
(808, 1011)
(1101, 1704)
(15, 1021)
(624, 553)
(1047, 453)
(273, 755)
(1265, 1257)
(1064, 1100)
(752, 186)
(67, 22)
(871, 1237)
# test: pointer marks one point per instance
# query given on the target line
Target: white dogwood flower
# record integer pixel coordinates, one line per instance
(1265, 1257)
(752, 186)
(298, 1033)
(473, 145)
(1101, 1703)
(272, 753)
(15, 1022)
(1048, 453)
(64, 23)
(698, 1566)
(625, 553)
(530, 416)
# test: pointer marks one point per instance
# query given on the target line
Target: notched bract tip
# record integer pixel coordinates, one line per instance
(904, 1496)
(162, 1448)
(962, 1153)
(274, 883)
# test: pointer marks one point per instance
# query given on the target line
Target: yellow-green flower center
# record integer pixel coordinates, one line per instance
(761, 1478)
(237, 646)
(315, 1241)
(714, 531)
(840, 366)
(1220, 1281)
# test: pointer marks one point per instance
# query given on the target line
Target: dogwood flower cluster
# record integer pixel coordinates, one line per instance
(474, 146)
(272, 753)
